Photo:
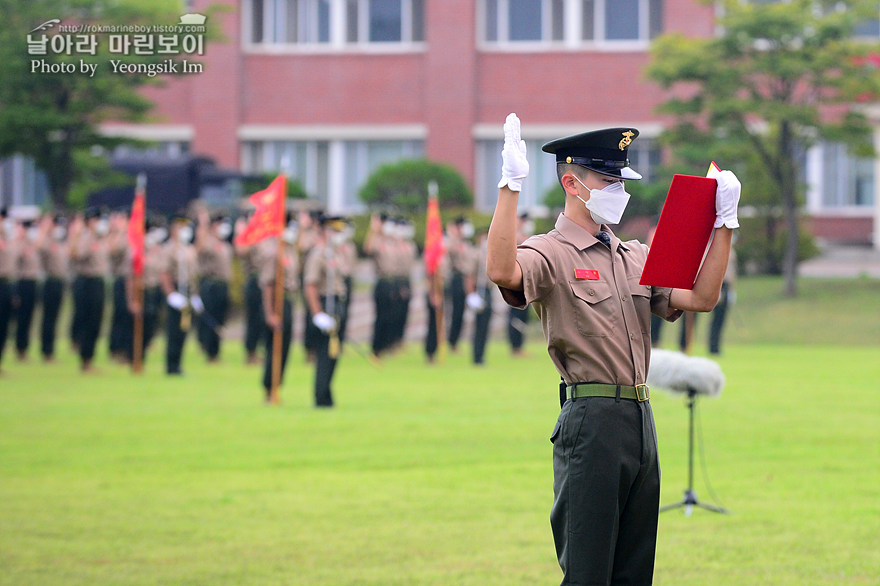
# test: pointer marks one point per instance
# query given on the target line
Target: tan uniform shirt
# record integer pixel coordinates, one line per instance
(384, 255)
(595, 314)
(323, 259)
(250, 258)
(462, 256)
(90, 255)
(405, 254)
(180, 265)
(53, 258)
(215, 259)
(155, 263)
(7, 259)
(267, 262)
(118, 256)
(28, 261)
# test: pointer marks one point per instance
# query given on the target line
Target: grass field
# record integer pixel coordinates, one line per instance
(438, 475)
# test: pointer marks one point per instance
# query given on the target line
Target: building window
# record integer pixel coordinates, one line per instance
(544, 21)
(621, 20)
(363, 157)
(22, 183)
(310, 163)
(290, 21)
(304, 161)
(847, 181)
(385, 21)
(523, 20)
(336, 22)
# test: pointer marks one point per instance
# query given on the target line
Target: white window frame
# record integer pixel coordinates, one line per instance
(572, 29)
(274, 15)
(334, 190)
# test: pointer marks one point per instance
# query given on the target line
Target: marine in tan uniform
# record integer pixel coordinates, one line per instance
(88, 257)
(584, 284)
(267, 263)
(155, 261)
(327, 279)
(179, 285)
(7, 276)
(462, 262)
(53, 253)
(121, 335)
(214, 257)
(309, 232)
(26, 290)
(254, 319)
(381, 247)
(480, 301)
(406, 254)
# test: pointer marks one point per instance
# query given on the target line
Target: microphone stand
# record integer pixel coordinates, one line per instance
(690, 496)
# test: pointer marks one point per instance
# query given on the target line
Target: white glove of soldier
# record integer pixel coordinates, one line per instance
(475, 301)
(324, 322)
(514, 164)
(196, 302)
(176, 300)
(727, 199)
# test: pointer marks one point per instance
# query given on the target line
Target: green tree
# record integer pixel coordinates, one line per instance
(403, 186)
(54, 118)
(776, 79)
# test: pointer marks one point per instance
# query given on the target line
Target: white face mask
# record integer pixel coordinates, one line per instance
(59, 233)
(102, 227)
(185, 234)
(290, 233)
(223, 230)
(338, 237)
(32, 234)
(606, 205)
(155, 236)
(467, 230)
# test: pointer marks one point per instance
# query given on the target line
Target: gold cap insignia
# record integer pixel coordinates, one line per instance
(626, 140)
(568, 159)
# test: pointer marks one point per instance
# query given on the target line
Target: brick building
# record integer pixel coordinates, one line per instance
(331, 89)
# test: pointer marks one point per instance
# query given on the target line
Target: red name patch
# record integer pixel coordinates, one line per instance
(588, 274)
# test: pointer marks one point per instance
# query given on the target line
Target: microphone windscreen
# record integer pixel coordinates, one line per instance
(679, 372)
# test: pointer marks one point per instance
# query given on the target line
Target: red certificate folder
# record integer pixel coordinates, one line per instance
(682, 233)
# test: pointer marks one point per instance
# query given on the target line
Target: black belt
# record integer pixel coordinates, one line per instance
(638, 393)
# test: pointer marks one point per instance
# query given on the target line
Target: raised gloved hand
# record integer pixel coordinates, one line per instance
(196, 302)
(514, 164)
(176, 300)
(727, 199)
(324, 322)
(475, 301)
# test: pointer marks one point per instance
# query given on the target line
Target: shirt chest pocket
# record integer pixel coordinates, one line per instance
(641, 296)
(594, 307)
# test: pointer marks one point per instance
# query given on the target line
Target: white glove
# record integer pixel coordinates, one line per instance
(514, 164)
(176, 300)
(196, 302)
(324, 322)
(727, 199)
(475, 301)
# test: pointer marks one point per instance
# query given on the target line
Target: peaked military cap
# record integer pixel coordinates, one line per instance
(602, 151)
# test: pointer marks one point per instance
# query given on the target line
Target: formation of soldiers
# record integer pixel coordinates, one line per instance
(188, 266)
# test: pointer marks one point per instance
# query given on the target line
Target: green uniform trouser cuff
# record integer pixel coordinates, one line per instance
(578, 390)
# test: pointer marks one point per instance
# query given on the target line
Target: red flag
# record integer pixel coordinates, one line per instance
(434, 249)
(268, 220)
(136, 226)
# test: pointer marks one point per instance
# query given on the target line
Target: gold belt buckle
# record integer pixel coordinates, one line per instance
(643, 393)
